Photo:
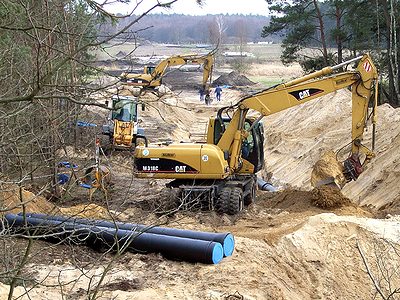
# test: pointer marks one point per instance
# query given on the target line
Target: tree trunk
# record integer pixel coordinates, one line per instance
(390, 21)
(338, 15)
(322, 32)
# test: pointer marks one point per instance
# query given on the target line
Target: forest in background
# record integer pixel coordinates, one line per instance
(183, 29)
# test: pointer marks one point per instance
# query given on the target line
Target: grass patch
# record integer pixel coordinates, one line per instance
(265, 80)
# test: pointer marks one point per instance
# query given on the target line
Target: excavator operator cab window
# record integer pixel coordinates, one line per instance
(252, 146)
(248, 143)
(257, 158)
(150, 69)
(218, 130)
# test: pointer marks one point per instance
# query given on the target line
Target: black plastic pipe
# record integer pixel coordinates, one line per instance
(173, 247)
(225, 239)
(265, 186)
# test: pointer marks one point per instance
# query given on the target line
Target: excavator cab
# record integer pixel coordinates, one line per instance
(149, 69)
(252, 149)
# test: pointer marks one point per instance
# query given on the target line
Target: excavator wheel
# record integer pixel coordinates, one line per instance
(248, 199)
(229, 201)
(222, 201)
(235, 203)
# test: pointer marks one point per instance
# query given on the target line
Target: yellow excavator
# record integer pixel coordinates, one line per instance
(152, 76)
(222, 172)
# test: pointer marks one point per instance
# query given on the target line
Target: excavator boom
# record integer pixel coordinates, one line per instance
(363, 82)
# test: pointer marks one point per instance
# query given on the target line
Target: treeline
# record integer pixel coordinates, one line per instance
(182, 29)
(340, 29)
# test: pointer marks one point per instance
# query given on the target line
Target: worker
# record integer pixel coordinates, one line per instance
(207, 97)
(218, 91)
(201, 92)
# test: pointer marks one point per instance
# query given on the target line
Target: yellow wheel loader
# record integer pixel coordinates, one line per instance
(122, 123)
(222, 171)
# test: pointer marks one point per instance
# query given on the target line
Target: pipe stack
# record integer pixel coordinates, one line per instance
(177, 244)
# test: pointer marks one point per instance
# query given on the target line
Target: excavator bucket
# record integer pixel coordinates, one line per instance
(328, 171)
(329, 181)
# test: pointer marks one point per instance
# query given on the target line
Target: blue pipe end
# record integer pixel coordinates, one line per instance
(217, 253)
(229, 245)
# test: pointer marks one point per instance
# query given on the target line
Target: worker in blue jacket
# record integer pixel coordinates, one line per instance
(218, 91)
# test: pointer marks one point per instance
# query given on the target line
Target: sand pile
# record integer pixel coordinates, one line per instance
(291, 200)
(233, 79)
(296, 139)
(90, 211)
(12, 200)
(328, 197)
(166, 119)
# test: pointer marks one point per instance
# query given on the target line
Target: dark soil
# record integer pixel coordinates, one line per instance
(232, 79)
(323, 197)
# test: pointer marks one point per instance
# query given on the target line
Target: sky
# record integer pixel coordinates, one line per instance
(190, 7)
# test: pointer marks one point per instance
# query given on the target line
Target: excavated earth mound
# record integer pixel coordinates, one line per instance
(13, 199)
(233, 79)
(328, 197)
(324, 197)
(90, 211)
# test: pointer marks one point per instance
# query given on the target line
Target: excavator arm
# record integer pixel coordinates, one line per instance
(363, 82)
(206, 60)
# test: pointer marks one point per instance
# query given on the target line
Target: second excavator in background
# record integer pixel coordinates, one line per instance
(122, 122)
(152, 76)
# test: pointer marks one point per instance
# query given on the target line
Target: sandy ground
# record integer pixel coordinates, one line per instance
(286, 247)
